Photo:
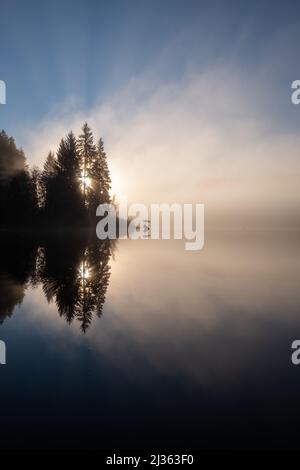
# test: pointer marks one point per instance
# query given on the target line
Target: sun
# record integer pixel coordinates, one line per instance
(85, 181)
(84, 271)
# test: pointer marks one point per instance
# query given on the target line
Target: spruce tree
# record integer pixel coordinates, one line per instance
(17, 203)
(100, 172)
(36, 187)
(50, 166)
(68, 160)
(64, 204)
(87, 153)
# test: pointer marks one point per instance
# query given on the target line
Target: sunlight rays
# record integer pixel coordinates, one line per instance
(85, 181)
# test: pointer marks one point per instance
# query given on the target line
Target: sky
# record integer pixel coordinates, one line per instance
(192, 98)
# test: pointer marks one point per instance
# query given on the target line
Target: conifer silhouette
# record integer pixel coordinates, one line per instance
(64, 194)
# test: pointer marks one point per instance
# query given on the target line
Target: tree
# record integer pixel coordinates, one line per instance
(64, 204)
(87, 152)
(100, 174)
(66, 193)
(36, 187)
(12, 159)
(68, 160)
(49, 171)
(17, 193)
(21, 201)
(75, 273)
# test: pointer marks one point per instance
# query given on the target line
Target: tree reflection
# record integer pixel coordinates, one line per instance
(17, 262)
(74, 273)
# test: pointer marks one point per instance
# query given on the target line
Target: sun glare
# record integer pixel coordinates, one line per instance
(85, 181)
(116, 184)
(84, 271)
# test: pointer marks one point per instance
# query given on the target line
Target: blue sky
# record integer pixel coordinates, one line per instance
(52, 51)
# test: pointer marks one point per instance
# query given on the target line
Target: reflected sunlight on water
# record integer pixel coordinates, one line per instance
(216, 324)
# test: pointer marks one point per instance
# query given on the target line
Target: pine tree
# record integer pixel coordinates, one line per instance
(50, 170)
(54, 196)
(68, 160)
(64, 204)
(17, 203)
(87, 153)
(100, 173)
(50, 166)
(36, 187)
(12, 159)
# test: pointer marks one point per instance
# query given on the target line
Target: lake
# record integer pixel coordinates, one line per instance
(141, 344)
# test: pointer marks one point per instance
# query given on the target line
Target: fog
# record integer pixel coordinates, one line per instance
(205, 138)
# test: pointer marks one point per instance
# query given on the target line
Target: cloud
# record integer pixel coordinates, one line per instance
(207, 137)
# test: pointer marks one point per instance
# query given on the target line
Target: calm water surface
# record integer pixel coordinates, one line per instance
(143, 344)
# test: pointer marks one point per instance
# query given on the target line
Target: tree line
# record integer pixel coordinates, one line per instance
(65, 193)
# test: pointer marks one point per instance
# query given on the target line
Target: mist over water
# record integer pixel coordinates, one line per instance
(183, 341)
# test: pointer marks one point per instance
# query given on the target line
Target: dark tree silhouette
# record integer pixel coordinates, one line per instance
(74, 273)
(87, 152)
(101, 176)
(17, 263)
(63, 202)
(65, 194)
(36, 176)
(49, 171)
(94, 274)
(95, 176)
(12, 159)
(17, 188)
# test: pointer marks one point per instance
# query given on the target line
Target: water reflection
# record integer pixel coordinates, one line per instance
(17, 263)
(74, 272)
(193, 349)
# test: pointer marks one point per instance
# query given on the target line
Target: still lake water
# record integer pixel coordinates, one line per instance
(145, 345)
